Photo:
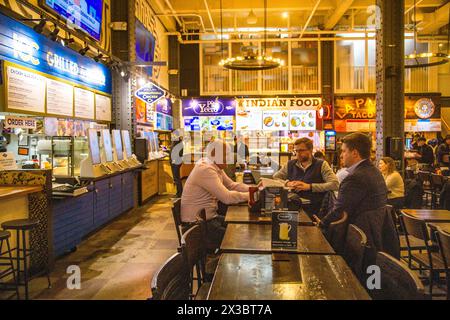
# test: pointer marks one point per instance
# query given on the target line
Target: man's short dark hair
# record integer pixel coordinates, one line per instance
(307, 142)
(360, 142)
(422, 139)
(319, 155)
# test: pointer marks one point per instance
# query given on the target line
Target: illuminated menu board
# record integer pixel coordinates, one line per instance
(248, 119)
(275, 120)
(302, 120)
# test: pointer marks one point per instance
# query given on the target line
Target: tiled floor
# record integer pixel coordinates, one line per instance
(118, 261)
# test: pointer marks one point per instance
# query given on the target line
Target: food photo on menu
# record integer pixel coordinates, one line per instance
(275, 120)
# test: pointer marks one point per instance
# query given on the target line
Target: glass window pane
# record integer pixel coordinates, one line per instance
(305, 66)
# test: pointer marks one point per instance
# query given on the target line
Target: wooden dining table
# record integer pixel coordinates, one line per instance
(257, 238)
(429, 215)
(293, 277)
(241, 214)
(445, 226)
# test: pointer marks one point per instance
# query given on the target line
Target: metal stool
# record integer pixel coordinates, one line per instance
(22, 252)
(9, 262)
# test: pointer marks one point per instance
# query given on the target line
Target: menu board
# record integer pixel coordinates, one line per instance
(302, 120)
(163, 121)
(25, 90)
(192, 123)
(275, 120)
(221, 123)
(59, 98)
(247, 119)
(102, 108)
(84, 103)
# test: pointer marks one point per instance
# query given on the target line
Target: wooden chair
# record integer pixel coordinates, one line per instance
(443, 239)
(194, 252)
(355, 247)
(176, 213)
(172, 280)
(425, 180)
(429, 260)
(336, 233)
(397, 281)
(437, 183)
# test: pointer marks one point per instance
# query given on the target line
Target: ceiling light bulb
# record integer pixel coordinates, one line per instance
(141, 82)
(252, 19)
(285, 15)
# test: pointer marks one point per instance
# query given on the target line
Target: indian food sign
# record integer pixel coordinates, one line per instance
(294, 103)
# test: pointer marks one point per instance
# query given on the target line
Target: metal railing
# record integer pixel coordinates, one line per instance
(305, 79)
(244, 81)
(276, 79)
(215, 80)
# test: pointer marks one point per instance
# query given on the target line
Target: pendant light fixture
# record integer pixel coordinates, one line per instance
(251, 61)
(416, 56)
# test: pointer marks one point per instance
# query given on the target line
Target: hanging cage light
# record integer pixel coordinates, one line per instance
(444, 57)
(250, 61)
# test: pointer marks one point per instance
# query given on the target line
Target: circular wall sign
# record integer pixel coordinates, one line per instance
(424, 108)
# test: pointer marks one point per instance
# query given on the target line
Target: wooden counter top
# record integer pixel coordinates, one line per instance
(7, 192)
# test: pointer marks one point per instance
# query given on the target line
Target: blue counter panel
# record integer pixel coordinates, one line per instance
(76, 217)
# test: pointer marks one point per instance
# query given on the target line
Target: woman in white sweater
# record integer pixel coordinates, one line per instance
(394, 182)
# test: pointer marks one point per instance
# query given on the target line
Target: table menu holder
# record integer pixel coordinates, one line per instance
(284, 229)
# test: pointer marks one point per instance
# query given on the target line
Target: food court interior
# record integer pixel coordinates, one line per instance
(109, 110)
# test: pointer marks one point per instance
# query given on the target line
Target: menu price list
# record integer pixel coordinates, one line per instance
(25, 90)
(84, 103)
(59, 98)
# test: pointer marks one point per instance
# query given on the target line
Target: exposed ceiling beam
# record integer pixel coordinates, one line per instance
(309, 18)
(338, 12)
(432, 22)
(209, 15)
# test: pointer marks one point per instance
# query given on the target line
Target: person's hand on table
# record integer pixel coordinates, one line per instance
(316, 220)
(301, 186)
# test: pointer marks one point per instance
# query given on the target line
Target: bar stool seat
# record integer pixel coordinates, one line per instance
(4, 235)
(20, 224)
(6, 260)
(23, 254)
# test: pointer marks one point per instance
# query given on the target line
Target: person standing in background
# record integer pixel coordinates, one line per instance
(426, 154)
(176, 160)
(443, 153)
(394, 182)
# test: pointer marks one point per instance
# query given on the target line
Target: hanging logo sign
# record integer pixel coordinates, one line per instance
(209, 107)
(19, 122)
(150, 93)
(22, 45)
(424, 108)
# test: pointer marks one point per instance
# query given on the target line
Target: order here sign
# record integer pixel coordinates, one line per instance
(19, 122)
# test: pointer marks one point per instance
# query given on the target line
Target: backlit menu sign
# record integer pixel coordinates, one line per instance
(208, 107)
(22, 45)
(164, 106)
(248, 119)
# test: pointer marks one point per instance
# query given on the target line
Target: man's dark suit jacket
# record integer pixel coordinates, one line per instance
(363, 195)
(361, 191)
